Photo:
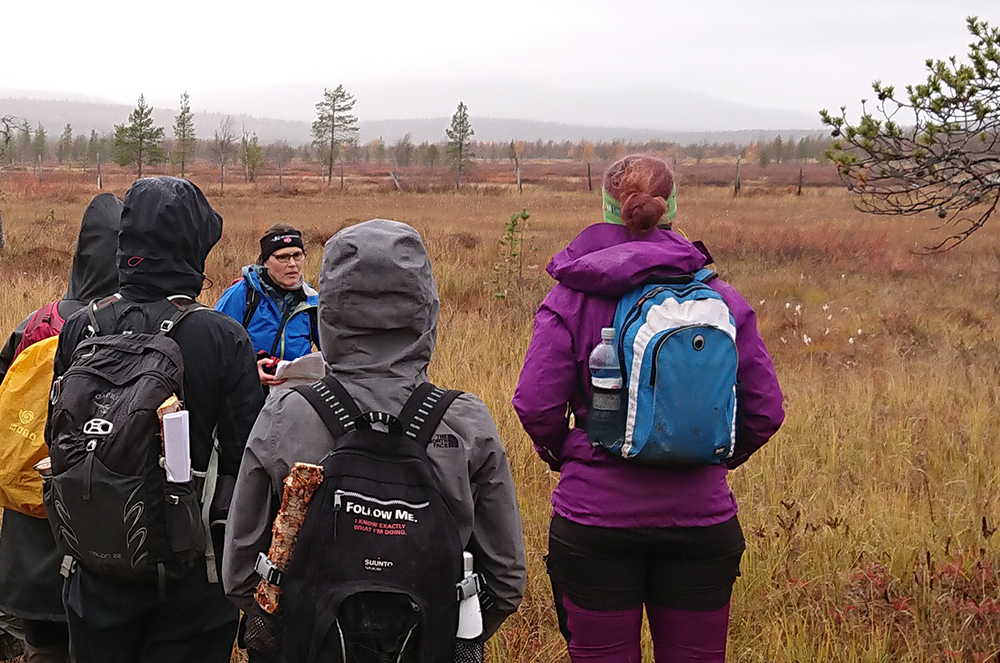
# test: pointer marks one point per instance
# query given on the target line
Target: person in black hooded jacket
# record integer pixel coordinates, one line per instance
(30, 584)
(168, 229)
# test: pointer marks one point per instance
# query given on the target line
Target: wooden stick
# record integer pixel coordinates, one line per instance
(300, 484)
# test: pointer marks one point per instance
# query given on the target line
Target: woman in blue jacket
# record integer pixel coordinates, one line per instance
(273, 301)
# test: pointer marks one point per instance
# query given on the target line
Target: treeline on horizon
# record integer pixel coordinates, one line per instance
(31, 145)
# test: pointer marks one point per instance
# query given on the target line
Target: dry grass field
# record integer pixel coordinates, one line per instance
(869, 518)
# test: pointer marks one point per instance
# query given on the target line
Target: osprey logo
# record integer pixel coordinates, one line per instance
(378, 564)
(104, 401)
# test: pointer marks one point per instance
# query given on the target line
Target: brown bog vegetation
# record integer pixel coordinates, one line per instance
(869, 518)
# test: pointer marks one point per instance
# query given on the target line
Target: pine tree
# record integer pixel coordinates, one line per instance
(40, 145)
(460, 142)
(93, 147)
(930, 147)
(184, 138)
(334, 126)
(65, 147)
(139, 142)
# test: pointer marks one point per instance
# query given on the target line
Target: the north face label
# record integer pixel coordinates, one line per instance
(445, 441)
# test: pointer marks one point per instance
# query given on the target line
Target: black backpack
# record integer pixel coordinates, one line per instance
(377, 567)
(109, 504)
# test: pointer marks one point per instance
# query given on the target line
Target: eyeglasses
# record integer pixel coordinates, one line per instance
(283, 258)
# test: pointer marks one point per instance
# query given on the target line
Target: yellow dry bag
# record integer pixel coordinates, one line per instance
(24, 400)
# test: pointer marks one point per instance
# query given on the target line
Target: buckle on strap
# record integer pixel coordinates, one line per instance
(468, 587)
(67, 567)
(267, 570)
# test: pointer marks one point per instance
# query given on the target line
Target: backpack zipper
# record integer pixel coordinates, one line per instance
(636, 310)
(89, 467)
(337, 495)
(663, 339)
(348, 493)
(635, 313)
(159, 376)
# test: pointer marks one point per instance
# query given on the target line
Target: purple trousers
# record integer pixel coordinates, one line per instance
(679, 636)
(603, 577)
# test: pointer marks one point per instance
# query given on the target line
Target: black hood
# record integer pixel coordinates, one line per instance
(168, 228)
(94, 274)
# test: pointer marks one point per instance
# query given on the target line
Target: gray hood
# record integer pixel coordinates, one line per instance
(378, 310)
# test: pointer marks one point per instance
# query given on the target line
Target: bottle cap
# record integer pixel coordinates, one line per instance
(607, 333)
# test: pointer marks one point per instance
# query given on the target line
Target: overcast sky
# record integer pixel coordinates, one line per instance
(785, 54)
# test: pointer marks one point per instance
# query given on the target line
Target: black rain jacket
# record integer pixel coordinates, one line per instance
(30, 584)
(168, 229)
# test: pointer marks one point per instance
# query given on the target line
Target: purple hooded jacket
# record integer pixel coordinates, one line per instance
(599, 266)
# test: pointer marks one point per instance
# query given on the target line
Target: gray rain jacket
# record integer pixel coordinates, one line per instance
(378, 308)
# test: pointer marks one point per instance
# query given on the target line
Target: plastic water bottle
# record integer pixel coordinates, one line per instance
(605, 373)
(470, 616)
(606, 419)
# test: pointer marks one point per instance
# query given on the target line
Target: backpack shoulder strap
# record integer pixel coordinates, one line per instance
(332, 403)
(252, 302)
(314, 324)
(185, 306)
(47, 315)
(423, 411)
(704, 275)
(101, 307)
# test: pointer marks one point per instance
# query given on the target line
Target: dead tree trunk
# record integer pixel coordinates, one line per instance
(395, 176)
(590, 181)
(736, 185)
(799, 192)
(3, 237)
(517, 171)
(100, 182)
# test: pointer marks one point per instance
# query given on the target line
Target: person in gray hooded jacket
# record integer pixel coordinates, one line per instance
(377, 336)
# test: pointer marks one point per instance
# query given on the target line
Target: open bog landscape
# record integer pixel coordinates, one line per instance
(870, 518)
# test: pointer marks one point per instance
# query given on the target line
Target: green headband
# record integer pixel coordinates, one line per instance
(613, 208)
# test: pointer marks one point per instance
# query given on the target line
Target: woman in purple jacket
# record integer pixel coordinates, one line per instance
(622, 535)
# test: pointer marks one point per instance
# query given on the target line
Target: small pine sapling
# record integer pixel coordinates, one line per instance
(510, 268)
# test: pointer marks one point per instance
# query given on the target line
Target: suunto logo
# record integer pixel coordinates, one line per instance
(377, 564)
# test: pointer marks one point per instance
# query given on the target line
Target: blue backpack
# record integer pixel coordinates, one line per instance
(676, 345)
